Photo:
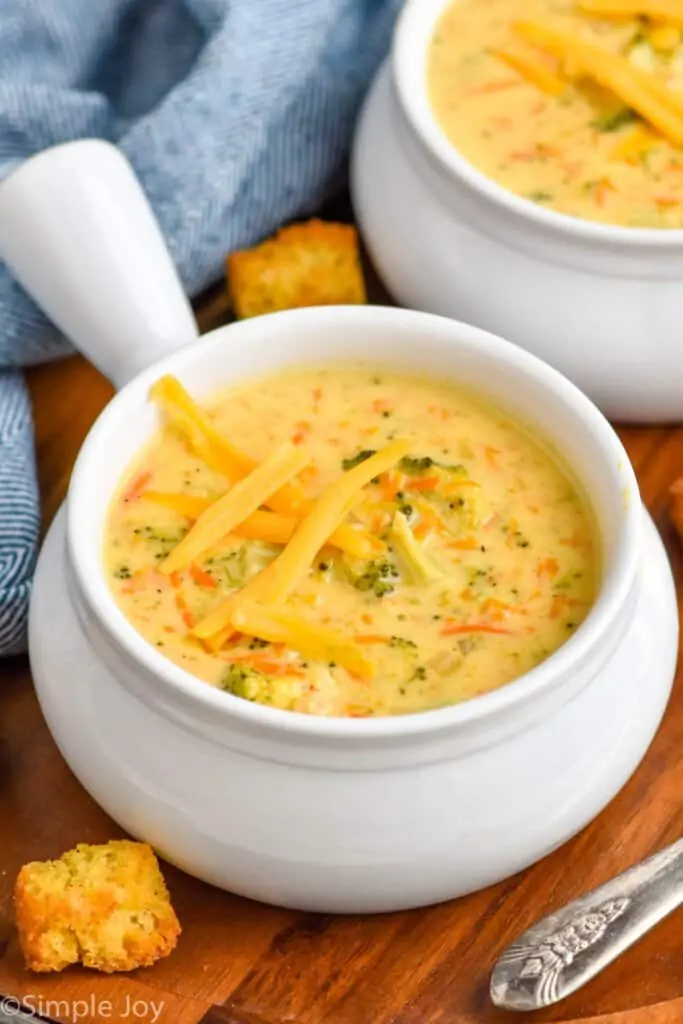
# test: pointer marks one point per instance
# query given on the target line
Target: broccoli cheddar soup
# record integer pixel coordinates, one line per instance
(576, 106)
(349, 542)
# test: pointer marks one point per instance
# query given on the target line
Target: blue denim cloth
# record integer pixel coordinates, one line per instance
(236, 115)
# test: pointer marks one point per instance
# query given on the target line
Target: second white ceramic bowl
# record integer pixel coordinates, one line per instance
(315, 813)
(602, 304)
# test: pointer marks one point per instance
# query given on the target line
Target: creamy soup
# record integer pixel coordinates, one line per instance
(349, 541)
(522, 89)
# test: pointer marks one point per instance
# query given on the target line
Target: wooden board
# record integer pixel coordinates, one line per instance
(245, 963)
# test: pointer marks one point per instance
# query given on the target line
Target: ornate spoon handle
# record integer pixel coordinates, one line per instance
(568, 948)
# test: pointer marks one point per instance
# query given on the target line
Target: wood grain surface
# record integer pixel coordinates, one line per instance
(245, 963)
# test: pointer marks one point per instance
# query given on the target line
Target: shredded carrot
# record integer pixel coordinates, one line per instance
(666, 201)
(303, 429)
(186, 615)
(498, 86)
(137, 485)
(429, 520)
(174, 577)
(238, 654)
(547, 567)
(278, 668)
(557, 606)
(425, 483)
(526, 155)
(498, 611)
(141, 578)
(474, 627)
(367, 618)
(492, 455)
(378, 522)
(602, 190)
(389, 485)
(466, 544)
(264, 661)
(575, 541)
(202, 578)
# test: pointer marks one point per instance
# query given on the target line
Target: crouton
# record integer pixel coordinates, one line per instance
(105, 906)
(311, 264)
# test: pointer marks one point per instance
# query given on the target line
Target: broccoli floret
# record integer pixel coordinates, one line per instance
(355, 460)
(402, 643)
(247, 683)
(159, 534)
(414, 465)
(252, 685)
(256, 644)
(379, 576)
(164, 540)
(614, 121)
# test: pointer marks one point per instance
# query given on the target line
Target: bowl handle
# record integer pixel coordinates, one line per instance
(78, 233)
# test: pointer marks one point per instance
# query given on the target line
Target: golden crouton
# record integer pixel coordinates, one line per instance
(105, 906)
(311, 264)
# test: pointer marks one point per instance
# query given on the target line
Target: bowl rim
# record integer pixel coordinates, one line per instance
(87, 566)
(407, 61)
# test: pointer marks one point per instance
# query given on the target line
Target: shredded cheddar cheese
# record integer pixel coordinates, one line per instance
(533, 71)
(281, 626)
(278, 580)
(638, 89)
(474, 555)
(221, 518)
(269, 527)
(670, 13)
(634, 144)
(212, 446)
(601, 138)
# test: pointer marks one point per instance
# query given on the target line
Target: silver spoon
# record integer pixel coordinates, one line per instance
(563, 951)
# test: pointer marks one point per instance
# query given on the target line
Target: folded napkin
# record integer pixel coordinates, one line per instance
(236, 115)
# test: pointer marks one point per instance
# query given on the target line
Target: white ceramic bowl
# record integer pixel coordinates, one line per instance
(316, 813)
(602, 304)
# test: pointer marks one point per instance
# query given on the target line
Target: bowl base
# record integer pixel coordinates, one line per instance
(69, 676)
